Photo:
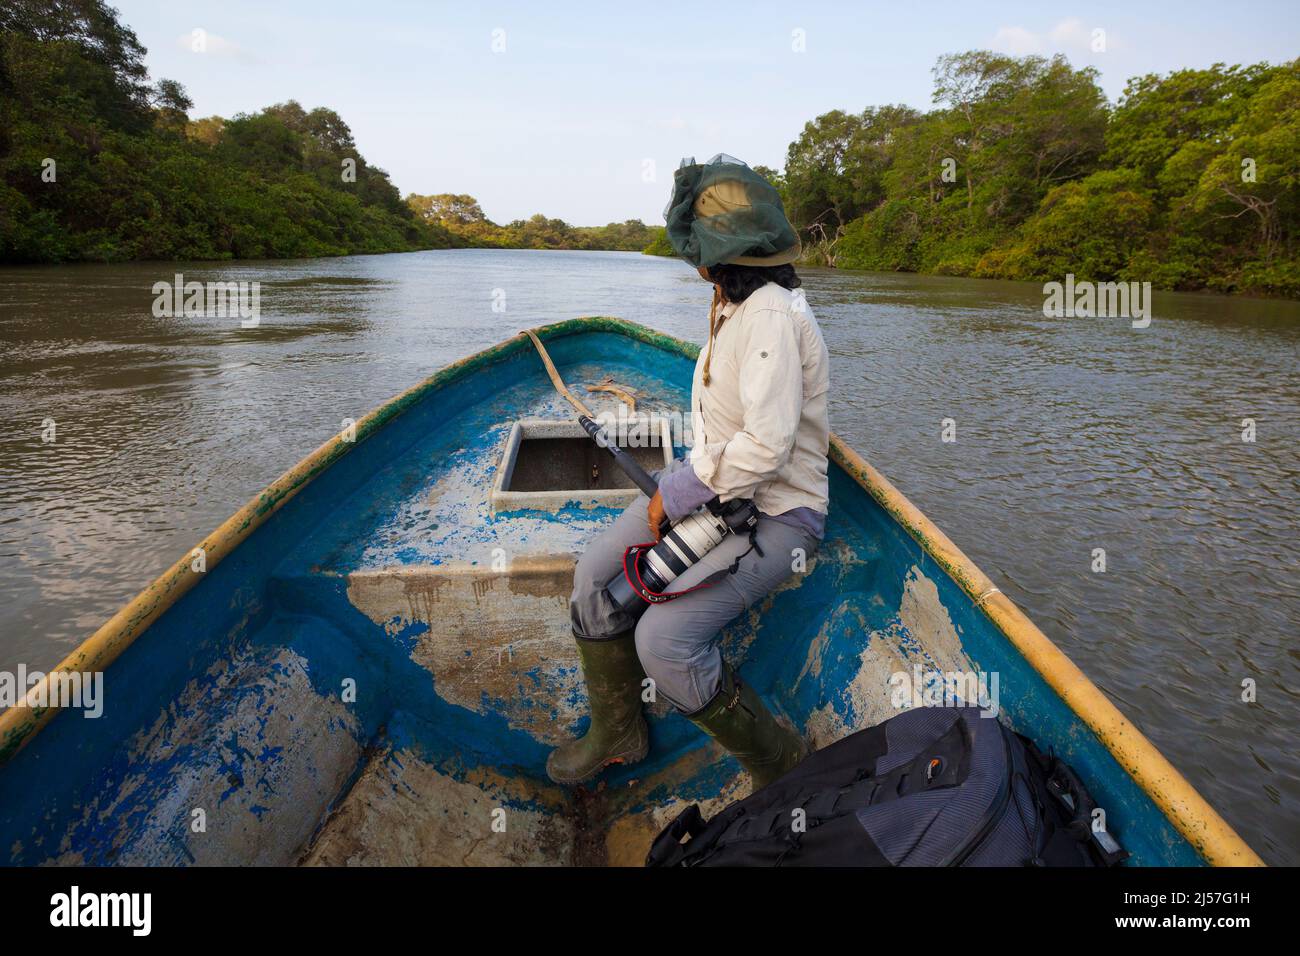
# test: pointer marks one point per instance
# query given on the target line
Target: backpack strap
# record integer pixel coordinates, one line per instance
(1055, 783)
(668, 848)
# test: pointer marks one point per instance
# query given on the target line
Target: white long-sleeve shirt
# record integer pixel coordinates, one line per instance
(760, 427)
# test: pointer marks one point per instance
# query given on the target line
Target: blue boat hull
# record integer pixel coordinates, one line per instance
(377, 665)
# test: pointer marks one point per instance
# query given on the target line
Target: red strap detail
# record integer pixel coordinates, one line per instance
(639, 586)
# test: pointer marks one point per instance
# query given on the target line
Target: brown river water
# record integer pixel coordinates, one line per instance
(1071, 435)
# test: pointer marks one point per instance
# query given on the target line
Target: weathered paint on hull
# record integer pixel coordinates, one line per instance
(377, 565)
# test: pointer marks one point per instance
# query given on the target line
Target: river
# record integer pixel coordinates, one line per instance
(1071, 435)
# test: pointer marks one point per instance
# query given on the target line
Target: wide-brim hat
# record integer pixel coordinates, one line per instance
(723, 213)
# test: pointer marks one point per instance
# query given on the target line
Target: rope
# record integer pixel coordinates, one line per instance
(609, 385)
(555, 376)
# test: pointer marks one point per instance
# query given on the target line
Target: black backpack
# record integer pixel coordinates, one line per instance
(930, 787)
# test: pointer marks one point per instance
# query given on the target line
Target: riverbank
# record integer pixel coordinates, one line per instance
(1024, 171)
(662, 249)
(97, 164)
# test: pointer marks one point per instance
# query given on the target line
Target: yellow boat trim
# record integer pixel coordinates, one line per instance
(1186, 809)
(19, 724)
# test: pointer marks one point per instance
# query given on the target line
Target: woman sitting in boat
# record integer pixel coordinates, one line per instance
(759, 421)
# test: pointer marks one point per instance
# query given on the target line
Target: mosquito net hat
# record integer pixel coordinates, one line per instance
(722, 212)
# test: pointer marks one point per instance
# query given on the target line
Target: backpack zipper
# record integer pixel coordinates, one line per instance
(994, 813)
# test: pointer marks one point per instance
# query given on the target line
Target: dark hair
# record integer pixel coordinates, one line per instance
(740, 282)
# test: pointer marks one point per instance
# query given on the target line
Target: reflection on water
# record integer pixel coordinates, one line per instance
(1072, 435)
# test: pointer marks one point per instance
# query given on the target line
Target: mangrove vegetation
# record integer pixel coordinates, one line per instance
(99, 164)
(1023, 170)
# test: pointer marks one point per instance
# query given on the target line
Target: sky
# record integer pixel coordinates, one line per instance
(582, 111)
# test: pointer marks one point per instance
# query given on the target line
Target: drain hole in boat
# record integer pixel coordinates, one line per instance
(548, 465)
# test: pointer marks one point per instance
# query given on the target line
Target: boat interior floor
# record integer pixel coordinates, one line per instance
(391, 695)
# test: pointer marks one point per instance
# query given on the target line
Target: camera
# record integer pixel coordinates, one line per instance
(648, 571)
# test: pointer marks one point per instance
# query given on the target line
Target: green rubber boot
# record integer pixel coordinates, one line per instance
(737, 718)
(618, 732)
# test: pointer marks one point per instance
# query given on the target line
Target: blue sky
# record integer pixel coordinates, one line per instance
(588, 108)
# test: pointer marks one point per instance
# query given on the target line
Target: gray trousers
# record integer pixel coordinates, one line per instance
(678, 641)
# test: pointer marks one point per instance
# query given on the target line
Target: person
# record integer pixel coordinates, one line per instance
(760, 428)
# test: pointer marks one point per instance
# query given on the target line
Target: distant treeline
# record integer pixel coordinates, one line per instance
(1024, 171)
(462, 217)
(97, 163)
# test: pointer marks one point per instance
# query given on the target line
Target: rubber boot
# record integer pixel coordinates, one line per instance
(618, 732)
(737, 718)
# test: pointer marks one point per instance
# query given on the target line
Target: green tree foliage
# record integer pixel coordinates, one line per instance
(834, 172)
(1091, 227)
(463, 217)
(630, 236)
(963, 178)
(1022, 170)
(97, 164)
(659, 244)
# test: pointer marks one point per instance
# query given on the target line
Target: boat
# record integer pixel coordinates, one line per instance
(368, 663)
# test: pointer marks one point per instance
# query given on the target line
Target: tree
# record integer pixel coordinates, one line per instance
(970, 85)
(1255, 176)
(173, 104)
(1157, 116)
(448, 209)
(91, 31)
(835, 171)
(1023, 125)
(136, 179)
(1091, 228)
(207, 131)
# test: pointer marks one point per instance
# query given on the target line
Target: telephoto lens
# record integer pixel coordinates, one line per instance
(689, 540)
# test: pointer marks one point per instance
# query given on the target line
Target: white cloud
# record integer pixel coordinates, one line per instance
(200, 41)
(1017, 41)
(1071, 36)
